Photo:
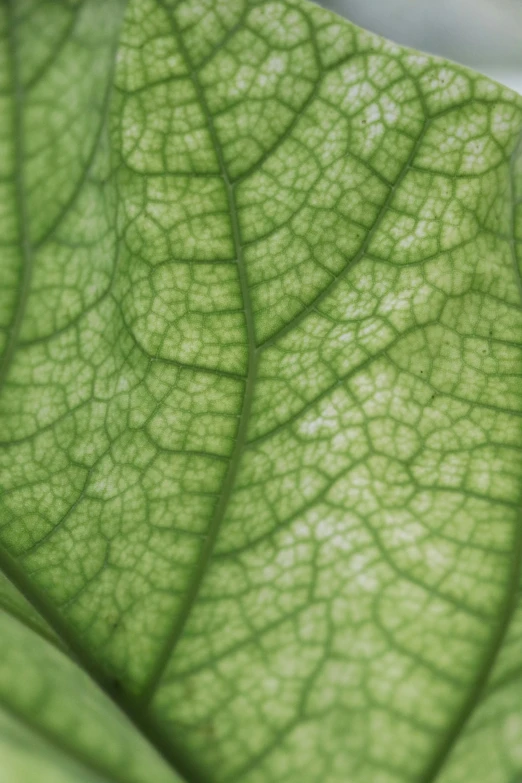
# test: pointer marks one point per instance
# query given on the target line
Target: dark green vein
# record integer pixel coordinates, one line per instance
(174, 756)
(451, 737)
(20, 199)
(332, 285)
(229, 481)
(312, 95)
(104, 111)
(454, 732)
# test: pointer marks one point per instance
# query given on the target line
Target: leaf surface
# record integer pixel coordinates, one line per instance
(261, 400)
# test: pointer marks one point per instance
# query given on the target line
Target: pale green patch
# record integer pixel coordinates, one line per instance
(261, 414)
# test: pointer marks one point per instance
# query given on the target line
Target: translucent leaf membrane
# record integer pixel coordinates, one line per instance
(56, 724)
(261, 399)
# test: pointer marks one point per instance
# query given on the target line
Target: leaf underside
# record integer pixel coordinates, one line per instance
(261, 432)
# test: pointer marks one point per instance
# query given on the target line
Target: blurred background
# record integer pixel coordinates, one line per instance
(483, 34)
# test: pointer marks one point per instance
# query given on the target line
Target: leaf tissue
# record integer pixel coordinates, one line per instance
(261, 401)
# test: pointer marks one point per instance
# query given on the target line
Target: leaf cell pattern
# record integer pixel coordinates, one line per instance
(261, 336)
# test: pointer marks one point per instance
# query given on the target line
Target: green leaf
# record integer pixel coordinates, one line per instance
(261, 432)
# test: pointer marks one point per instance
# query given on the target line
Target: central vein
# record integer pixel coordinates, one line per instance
(241, 436)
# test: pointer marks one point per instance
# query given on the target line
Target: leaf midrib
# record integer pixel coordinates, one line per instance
(252, 365)
(254, 349)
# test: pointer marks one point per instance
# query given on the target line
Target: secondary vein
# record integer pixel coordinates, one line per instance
(20, 201)
(455, 731)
